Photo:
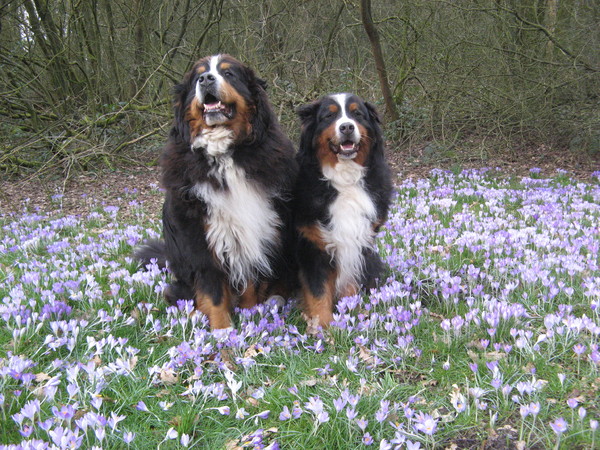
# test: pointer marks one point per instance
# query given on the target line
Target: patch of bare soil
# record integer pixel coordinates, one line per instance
(81, 193)
(417, 162)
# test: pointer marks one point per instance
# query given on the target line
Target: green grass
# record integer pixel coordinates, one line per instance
(81, 316)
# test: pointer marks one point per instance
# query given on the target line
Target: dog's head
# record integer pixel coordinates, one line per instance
(219, 91)
(339, 127)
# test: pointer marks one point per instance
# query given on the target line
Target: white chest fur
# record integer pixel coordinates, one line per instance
(351, 216)
(215, 140)
(242, 227)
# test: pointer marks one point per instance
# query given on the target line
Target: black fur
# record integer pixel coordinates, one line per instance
(151, 250)
(267, 157)
(314, 194)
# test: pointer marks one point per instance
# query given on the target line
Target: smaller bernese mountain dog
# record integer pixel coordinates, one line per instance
(228, 172)
(342, 196)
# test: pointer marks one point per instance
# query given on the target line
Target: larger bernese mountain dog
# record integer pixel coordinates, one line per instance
(342, 197)
(228, 172)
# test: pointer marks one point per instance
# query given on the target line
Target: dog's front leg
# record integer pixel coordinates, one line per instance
(197, 275)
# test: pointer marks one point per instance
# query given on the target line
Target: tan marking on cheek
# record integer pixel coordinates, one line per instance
(324, 153)
(364, 146)
(228, 94)
(240, 124)
(194, 117)
(319, 308)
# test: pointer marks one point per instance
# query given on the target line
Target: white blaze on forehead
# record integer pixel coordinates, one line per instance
(214, 63)
(341, 99)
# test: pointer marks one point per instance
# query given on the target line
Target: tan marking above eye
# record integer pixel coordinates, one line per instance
(353, 107)
(225, 66)
(202, 69)
(333, 108)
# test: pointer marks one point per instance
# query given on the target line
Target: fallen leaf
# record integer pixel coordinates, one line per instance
(475, 344)
(310, 382)
(175, 421)
(163, 393)
(474, 356)
(168, 376)
(529, 368)
(39, 377)
(436, 315)
(232, 445)
(365, 354)
(430, 382)
(227, 358)
(312, 325)
(251, 351)
(507, 428)
(366, 390)
(494, 356)
(135, 313)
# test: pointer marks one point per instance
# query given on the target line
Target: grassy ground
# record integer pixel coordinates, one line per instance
(484, 334)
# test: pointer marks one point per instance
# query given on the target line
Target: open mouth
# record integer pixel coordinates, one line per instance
(213, 106)
(345, 150)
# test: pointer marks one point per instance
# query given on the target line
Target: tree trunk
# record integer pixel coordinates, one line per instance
(367, 20)
(551, 17)
(48, 36)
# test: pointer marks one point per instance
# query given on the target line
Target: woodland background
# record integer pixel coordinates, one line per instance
(85, 83)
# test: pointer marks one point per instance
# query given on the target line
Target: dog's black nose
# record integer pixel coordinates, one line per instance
(347, 128)
(206, 79)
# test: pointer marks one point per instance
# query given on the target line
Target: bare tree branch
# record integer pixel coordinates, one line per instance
(367, 19)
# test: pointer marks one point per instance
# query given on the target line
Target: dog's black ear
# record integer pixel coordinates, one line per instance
(262, 83)
(373, 114)
(254, 81)
(182, 94)
(308, 112)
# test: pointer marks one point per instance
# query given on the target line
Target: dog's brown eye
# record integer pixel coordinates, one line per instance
(228, 73)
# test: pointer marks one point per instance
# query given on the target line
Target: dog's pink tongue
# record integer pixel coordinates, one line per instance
(347, 147)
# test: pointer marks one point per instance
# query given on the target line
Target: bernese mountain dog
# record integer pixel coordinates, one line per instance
(228, 172)
(342, 196)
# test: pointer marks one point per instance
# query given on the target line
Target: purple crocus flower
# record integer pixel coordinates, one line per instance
(559, 426)
(362, 423)
(425, 423)
(285, 414)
